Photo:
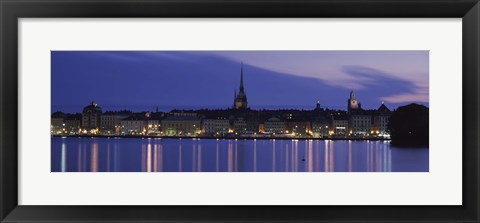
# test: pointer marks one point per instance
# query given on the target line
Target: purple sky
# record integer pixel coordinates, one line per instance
(143, 80)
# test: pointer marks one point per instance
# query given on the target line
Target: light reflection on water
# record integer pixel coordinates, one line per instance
(210, 155)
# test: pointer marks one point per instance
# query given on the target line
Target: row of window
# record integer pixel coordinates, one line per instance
(175, 125)
(216, 124)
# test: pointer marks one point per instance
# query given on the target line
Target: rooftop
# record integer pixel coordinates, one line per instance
(182, 118)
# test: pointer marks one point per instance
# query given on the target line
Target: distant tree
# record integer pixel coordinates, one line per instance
(409, 126)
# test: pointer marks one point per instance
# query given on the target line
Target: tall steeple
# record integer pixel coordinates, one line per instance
(240, 101)
(241, 77)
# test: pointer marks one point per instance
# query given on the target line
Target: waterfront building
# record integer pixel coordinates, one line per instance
(252, 124)
(133, 125)
(240, 99)
(320, 129)
(215, 125)
(320, 123)
(153, 122)
(110, 121)
(240, 125)
(73, 123)
(181, 125)
(107, 123)
(245, 123)
(380, 120)
(91, 118)
(340, 124)
(360, 123)
(359, 120)
(57, 124)
(274, 125)
(297, 127)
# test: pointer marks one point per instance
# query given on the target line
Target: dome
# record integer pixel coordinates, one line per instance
(92, 108)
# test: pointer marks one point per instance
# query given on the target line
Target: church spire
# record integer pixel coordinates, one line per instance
(241, 77)
(240, 98)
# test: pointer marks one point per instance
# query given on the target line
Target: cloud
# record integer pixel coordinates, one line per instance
(394, 89)
(142, 56)
(406, 98)
(329, 66)
(370, 77)
(116, 55)
(390, 76)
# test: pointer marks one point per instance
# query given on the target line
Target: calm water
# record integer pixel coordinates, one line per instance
(210, 155)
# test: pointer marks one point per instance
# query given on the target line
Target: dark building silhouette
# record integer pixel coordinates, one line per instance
(240, 101)
(91, 116)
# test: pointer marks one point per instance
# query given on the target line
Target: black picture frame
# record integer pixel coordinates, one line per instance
(12, 10)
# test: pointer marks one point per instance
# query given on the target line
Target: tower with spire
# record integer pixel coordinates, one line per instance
(240, 101)
(352, 102)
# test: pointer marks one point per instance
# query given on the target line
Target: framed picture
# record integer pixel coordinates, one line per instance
(239, 111)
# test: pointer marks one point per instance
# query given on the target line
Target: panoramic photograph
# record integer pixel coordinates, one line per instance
(240, 111)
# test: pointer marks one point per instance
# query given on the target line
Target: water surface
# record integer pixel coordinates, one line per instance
(227, 155)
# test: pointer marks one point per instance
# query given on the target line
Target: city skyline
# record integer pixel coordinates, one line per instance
(144, 80)
(239, 111)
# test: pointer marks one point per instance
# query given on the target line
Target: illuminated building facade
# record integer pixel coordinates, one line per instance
(218, 125)
(133, 125)
(91, 117)
(181, 125)
(57, 124)
(340, 125)
(274, 125)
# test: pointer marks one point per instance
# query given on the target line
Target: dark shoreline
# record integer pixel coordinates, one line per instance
(213, 137)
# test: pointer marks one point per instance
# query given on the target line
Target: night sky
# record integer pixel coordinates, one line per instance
(143, 80)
